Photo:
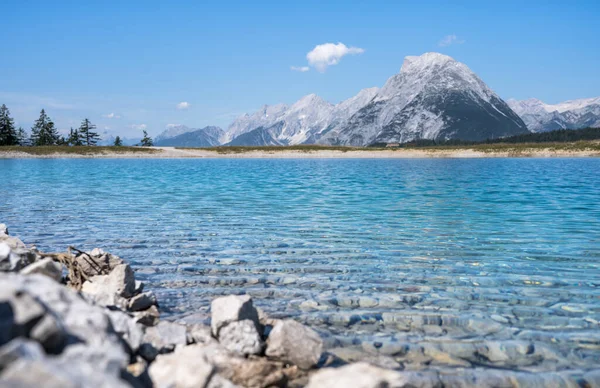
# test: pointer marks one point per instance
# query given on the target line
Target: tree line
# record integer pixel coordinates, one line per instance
(44, 133)
(557, 136)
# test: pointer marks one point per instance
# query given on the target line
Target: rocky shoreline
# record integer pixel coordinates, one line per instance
(81, 319)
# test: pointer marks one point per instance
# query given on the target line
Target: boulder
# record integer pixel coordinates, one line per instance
(241, 338)
(97, 262)
(199, 334)
(147, 317)
(232, 308)
(165, 336)
(24, 315)
(228, 369)
(127, 328)
(181, 370)
(120, 281)
(139, 287)
(142, 301)
(364, 375)
(56, 373)
(47, 267)
(3, 229)
(20, 348)
(14, 257)
(11, 241)
(60, 312)
(294, 343)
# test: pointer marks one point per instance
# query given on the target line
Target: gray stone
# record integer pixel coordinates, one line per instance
(14, 257)
(26, 316)
(149, 317)
(3, 229)
(47, 267)
(230, 369)
(142, 301)
(56, 373)
(295, 343)
(241, 338)
(165, 336)
(97, 262)
(85, 325)
(127, 328)
(20, 348)
(182, 369)
(139, 287)
(11, 241)
(199, 334)
(232, 308)
(105, 299)
(119, 281)
(364, 375)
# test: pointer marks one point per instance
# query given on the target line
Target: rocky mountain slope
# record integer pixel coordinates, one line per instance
(182, 136)
(433, 97)
(304, 122)
(573, 114)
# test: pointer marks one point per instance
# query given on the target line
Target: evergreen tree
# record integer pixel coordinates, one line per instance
(118, 142)
(74, 139)
(62, 141)
(22, 139)
(86, 133)
(146, 140)
(43, 131)
(8, 135)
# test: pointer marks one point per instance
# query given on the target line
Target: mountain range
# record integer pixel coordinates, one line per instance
(432, 97)
(542, 117)
(182, 136)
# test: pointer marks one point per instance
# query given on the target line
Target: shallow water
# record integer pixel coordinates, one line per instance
(440, 263)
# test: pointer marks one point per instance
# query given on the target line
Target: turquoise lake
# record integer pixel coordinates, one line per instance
(411, 254)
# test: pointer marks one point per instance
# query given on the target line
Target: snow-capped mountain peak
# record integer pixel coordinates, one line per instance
(572, 114)
(172, 130)
(433, 96)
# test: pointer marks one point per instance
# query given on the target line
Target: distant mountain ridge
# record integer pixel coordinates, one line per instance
(433, 97)
(182, 136)
(573, 114)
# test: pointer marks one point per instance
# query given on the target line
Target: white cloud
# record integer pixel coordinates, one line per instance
(111, 116)
(183, 105)
(138, 126)
(330, 54)
(450, 40)
(169, 126)
(302, 69)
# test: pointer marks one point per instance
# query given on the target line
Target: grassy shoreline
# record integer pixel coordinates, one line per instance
(584, 145)
(75, 150)
(588, 148)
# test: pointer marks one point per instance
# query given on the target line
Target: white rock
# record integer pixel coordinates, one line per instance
(199, 334)
(232, 308)
(363, 375)
(47, 267)
(120, 281)
(181, 370)
(295, 343)
(165, 336)
(142, 301)
(241, 338)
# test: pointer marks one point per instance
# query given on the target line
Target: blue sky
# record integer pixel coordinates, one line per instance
(128, 64)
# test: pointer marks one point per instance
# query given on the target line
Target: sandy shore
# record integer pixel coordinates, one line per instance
(175, 153)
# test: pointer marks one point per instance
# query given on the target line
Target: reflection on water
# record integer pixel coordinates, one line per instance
(442, 264)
